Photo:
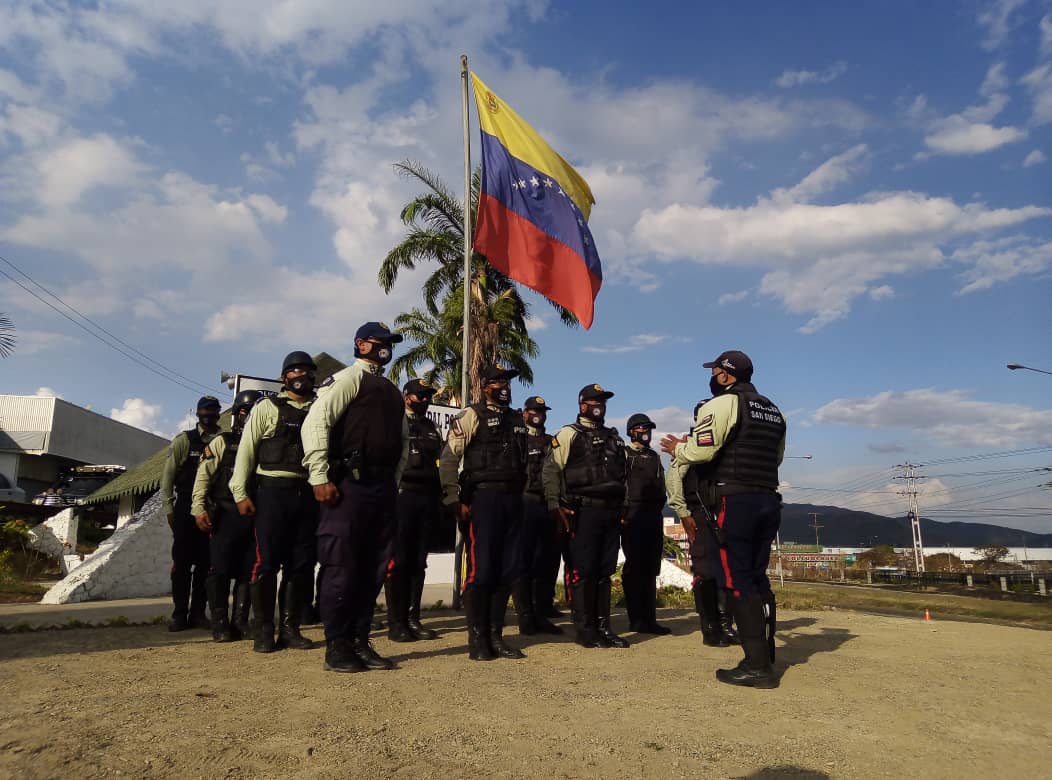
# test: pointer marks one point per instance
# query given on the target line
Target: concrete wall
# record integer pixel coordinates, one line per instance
(57, 537)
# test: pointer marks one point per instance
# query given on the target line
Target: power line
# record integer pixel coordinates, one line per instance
(988, 456)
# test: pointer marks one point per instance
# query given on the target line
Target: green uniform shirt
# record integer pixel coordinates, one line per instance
(555, 463)
(333, 400)
(177, 452)
(261, 424)
(206, 470)
(677, 470)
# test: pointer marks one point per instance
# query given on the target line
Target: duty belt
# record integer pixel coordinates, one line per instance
(503, 487)
(284, 483)
(596, 503)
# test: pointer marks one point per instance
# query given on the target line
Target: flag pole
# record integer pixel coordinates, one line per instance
(464, 74)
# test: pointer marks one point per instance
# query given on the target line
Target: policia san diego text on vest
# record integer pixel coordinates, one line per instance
(584, 487)
(189, 543)
(232, 544)
(284, 510)
(742, 435)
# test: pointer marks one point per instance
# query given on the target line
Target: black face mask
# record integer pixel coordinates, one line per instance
(595, 412)
(537, 420)
(380, 354)
(237, 423)
(716, 388)
(208, 421)
(499, 396)
(641, 437)
(301, 385)
(419, 407)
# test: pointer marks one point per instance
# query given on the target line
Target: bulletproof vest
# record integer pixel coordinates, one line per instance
(425, 445)
(749, 459)
(283, 451)
(497, 451)
(644, 485)
(187, 473)
(537, 448)
(219, 490)
(369, 432)
(595, 465)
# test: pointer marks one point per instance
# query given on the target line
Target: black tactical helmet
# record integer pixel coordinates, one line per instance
(298, 358)
(246, 399)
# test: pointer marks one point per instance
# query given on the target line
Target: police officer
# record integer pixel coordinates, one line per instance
(418, 509)
(285, 512)
(742, 434)
(490, 439)
(534, 592)
(189, 543)
(584, 487)
(356, 441)
(643, 529)
(232, 544)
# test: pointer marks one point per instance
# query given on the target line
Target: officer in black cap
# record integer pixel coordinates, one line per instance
(356, 442)
(490, 439)
(642, 530)
(270, 456)
(189, 543)
(584, 487)
(534, 592)
(418, 509)
(741, 435)
(232, 543)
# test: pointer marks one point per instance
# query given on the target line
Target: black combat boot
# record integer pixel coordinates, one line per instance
(771, 615)
(726, 618)
(522, 596)
(607, 637)
(648, 604)
(397, 597)
(197, 616)
(290, 601)
(705, 602)
(239, 619)
(498, 609)
(476, 603)
(365, 651)
(544, 601)
(416, 594)
(755, 670)
(219, 606)
(340, 656)
(263, 593)
(584, 614)
(180, 600)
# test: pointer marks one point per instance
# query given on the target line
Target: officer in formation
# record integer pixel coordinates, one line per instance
(584, 487)
(417, 511)
(643, 529)
(356, 443)
(737, 443)
(284, 508)
(189, 544)
(490, 440)
(232, 543)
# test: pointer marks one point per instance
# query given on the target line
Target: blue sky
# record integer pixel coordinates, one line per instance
(855, 194)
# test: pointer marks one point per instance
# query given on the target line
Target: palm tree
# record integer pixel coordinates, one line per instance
(435, 219)
(7, 336)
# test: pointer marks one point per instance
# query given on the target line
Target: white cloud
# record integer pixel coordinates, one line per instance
(996, 18)
(634, 344)
(139, 414)
(32, 342)
(1039, 84)
(1045, 26)
(46, 392)
(82, 164)
(882, 293)
(734, 297)
(995, 81)
(796, 78)
(1036, 157)
(996, 261)
(834, 171)
(955, 135)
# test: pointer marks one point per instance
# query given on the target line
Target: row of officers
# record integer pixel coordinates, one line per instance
(350, 478)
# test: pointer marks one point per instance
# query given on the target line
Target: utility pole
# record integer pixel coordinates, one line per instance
(909, 474)
(816, 526)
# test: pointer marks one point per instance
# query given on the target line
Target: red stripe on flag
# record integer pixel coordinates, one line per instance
(521, 250)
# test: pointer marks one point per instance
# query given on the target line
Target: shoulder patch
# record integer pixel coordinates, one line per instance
(704, 438)
(705, 420)
(555, 443)
(207, 453)
(327, 381)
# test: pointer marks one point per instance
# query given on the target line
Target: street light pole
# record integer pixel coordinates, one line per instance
(1017, 366)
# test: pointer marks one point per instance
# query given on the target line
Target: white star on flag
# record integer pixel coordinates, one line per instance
(534, 182)
(522, 183)
(548, 183)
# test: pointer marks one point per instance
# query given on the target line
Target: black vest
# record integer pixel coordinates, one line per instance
(645, 485)
(537, 449)
(219, 490)
(748, 460)
(369, 432)
(187, 473)
(595, 465)
(425, 446)
(497, 451)
(284, 450)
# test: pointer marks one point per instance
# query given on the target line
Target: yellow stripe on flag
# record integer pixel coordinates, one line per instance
(500, 120)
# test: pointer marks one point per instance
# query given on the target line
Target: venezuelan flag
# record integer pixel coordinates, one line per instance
(533, 211)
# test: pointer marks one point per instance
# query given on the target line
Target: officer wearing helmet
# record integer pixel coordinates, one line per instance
(356, 442)
(642, 530)
(584, 487)
(189, 544)
(232, 544)
(284, 508)
(738, 440)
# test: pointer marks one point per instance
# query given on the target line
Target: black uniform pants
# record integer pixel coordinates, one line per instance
(643, 540)
(749, 523)
(355, 538)
(542, 547)
(232, 545)
(285, 525)
(416, 513)
(593, 543)
(189, 543)
(493, 543)
(704, 552)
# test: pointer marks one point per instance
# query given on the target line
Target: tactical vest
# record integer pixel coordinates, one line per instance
(187, 473)
(497, 451)
(644, 484)
(369, 432)
(537, 448)
(595, 464)
(425, 446)
(283, 451)
(748, 460)
(219, 490)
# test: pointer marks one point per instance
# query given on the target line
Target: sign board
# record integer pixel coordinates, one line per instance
(442, 416)
(265, 386)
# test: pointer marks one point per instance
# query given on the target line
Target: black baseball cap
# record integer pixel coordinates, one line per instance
(536, 402)
(208, 402)
(378, 331)
(639, 421)
(418, 387)
(592, 393)
(734, 362)
(498, 373)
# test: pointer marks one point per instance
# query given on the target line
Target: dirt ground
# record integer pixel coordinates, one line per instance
(861, 696)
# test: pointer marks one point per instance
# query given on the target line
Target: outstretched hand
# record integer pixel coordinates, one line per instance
(669, 443)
